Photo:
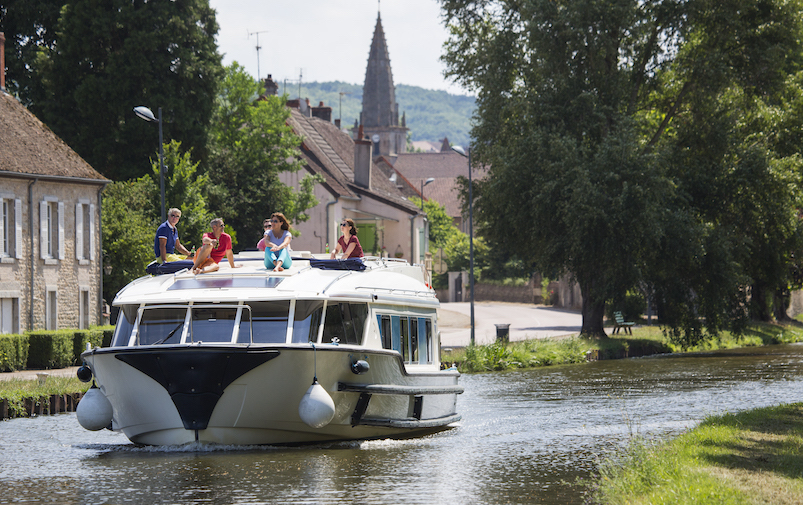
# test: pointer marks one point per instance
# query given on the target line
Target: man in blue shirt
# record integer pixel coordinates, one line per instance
(166, 241)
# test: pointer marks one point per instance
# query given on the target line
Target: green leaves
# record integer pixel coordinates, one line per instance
(251, 144)
(640, 146)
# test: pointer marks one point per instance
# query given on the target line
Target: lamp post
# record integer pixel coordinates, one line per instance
(424, 183)
(459, 150)
(146, 114)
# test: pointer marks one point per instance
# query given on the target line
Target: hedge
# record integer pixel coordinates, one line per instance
(13, 352)
(50, 348)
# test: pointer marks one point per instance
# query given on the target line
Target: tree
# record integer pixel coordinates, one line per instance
(29, 27)
(131, 215)
(600, 122)
(129, 221)
(186, 189)
(251, 144)
(108, 57)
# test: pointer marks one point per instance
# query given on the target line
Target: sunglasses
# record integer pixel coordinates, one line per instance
(344, 224)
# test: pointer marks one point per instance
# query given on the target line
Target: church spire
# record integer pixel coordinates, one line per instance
(380, 113)
(379, 95)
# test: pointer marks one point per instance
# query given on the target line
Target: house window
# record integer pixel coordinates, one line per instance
(84, 231)
(83, 309)
(10, 228)
(9, 315)
(51, 311)
(51, 229)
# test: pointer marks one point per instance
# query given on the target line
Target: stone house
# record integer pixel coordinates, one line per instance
(51, 271)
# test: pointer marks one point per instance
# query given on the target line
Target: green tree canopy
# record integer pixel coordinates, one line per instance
(131, 215)
(85, 71)
(619, 135)
(250, 145)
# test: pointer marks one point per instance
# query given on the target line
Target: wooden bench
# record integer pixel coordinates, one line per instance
(621, 323)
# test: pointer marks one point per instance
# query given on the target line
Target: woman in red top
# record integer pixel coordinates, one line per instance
(216, 246)
(348, 244)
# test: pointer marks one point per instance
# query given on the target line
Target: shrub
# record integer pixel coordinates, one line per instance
(92, 336)
(51, 349)
(13, 352)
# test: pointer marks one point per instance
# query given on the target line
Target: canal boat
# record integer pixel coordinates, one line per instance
(326, 350)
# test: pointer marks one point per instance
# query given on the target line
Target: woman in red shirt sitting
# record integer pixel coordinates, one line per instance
(348, 244)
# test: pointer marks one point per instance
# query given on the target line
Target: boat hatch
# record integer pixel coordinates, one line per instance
(226, 282)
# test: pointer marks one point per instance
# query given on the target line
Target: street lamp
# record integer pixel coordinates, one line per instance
(424, 183)
(146, 114)
(459, 150)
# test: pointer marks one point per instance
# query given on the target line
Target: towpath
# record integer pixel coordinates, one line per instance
(527, 321)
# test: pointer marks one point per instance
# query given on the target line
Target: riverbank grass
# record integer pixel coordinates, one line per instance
(645, 340)
(745, 458)
(16, 391)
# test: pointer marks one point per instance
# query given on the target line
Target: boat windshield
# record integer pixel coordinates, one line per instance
(213, 324)
(161, 325)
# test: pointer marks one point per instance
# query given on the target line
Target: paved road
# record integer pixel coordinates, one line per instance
(526, 321)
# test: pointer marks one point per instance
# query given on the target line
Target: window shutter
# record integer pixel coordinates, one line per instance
(43, 235)
(91, 230)
(61, 230)
(18, 229)
(79, 231)
(3, 228)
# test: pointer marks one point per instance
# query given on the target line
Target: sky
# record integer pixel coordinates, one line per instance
(329, 40)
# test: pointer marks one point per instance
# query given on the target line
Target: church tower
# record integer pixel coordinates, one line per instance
(380, 112)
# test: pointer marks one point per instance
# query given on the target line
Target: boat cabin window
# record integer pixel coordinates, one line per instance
(268, 322)
(411, 336)
(344, 322)
(161, 326)
(125, 325)
(307, 319)
(211, 324)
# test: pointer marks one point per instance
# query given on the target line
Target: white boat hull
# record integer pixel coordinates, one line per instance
(167, 395)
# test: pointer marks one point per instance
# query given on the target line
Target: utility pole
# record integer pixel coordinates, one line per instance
(340, 114)
(258, 48)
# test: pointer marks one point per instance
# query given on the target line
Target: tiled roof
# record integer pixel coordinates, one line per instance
(27, 146)
(445, 168)
(423, 165)
(328, 151)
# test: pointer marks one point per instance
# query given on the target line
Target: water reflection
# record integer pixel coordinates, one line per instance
(525, 436)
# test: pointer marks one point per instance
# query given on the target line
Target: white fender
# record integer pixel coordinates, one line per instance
(316, 407)
(94, 411)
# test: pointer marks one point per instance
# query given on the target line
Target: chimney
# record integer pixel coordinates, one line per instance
(362, 162)
(322, 112)
(2, 62)
(271, 88)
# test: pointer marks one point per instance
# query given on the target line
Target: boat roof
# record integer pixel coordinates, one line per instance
(384, 280)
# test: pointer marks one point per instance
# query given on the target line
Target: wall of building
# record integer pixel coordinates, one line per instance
(64, 274)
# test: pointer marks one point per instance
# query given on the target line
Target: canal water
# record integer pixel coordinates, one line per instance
(525, 437)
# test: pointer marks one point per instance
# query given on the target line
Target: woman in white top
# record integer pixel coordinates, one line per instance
(278, 237)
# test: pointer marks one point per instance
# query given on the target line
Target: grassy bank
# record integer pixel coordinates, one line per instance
(645, 340)
(745, 458)
(15, 392)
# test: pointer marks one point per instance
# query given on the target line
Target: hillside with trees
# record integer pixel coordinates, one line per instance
(431, 114)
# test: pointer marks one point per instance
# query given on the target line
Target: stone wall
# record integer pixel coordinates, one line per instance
(67, 276)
